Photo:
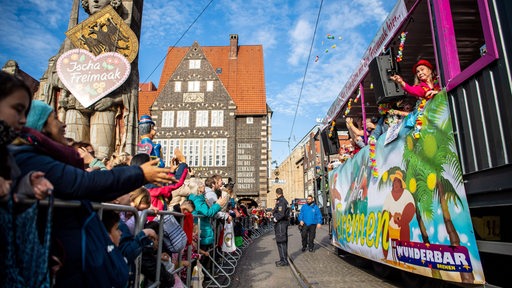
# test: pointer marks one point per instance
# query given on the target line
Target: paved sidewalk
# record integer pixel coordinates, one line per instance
(321, 268)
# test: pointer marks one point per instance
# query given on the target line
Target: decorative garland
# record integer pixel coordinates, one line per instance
(357, 96)
(419, 119)
(349, 105)
(373, 160)
(421, 108)
(384, 108)
(331, 130)
(399, 56)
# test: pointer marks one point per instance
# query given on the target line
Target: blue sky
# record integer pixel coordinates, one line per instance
(31, 31)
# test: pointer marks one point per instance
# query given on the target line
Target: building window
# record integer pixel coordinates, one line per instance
(209, 86)
(168, 146)
(207, 157)
(249, 120)
(221, 150)
(194, 64)
(194, 86)
(202, 118)
(199, 152)
(182, 119)
(168, 119)
(217, 118)
(177, 86)
(191, 150)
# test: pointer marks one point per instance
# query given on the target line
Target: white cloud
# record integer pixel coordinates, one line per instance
(266, 37)
(28, 34)
(51, 12)
(300, 41)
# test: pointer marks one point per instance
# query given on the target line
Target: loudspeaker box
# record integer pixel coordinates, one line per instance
(331, 144)
(381, 68)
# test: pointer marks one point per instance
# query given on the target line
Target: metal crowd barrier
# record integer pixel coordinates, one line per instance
(223, 263)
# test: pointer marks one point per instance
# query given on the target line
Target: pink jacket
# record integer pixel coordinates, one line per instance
(159, 195)
(420, 89)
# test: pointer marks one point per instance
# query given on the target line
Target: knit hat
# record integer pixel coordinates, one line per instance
(146, 119)
(424, 63)
(38, 115)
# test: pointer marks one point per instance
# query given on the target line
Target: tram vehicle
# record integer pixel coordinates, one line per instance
(297, 203)
(431, 197)
(295, 206)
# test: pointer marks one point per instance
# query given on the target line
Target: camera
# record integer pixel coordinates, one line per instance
(392, 72)
(230, 183)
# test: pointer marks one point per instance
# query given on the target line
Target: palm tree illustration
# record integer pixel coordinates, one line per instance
(425, 162)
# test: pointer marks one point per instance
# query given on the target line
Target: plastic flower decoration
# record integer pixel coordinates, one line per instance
(373, 160)
(358, 96)
(384, 108)
(349, 105)
(331, 130)
(399, 56)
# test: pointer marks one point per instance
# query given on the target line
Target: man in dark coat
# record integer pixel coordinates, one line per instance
(281, 221)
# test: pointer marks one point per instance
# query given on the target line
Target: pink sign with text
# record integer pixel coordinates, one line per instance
(90, 78)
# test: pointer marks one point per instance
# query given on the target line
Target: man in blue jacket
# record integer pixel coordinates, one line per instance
(310, 219)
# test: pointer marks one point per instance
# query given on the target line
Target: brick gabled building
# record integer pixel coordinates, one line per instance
(211, 103)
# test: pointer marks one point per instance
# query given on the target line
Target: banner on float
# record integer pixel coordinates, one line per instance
(403, 204)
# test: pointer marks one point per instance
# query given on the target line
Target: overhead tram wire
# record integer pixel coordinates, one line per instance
(305, 73)
(177, 41)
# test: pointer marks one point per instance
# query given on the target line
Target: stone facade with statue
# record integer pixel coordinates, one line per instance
(110, 122)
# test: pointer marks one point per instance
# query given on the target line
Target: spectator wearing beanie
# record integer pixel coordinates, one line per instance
(34, 132)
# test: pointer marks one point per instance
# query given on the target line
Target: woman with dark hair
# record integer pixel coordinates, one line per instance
(15, 98)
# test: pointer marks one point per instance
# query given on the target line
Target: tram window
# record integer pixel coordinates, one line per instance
(474, 44)
(469, 34)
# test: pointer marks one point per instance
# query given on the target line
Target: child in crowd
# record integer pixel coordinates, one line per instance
(131, 245)
(111, 220)
(149, 262)
(139, 199)
(86, 151)
(116, 160)
(196, 254)
(159, 194)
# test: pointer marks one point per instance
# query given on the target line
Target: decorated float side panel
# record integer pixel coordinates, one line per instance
(401, 201)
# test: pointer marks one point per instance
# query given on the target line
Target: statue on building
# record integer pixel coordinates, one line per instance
(110, 124)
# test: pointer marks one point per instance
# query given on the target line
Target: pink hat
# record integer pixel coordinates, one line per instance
(424, 63)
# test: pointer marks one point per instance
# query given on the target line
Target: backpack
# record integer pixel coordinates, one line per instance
(102, 263)
(174, 239)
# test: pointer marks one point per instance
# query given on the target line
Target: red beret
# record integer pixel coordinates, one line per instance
(424, 63)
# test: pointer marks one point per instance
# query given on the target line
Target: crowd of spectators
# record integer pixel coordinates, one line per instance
(38, 161)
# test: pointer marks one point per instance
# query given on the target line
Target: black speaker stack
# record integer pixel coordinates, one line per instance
(381, 68)
(331, 144)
